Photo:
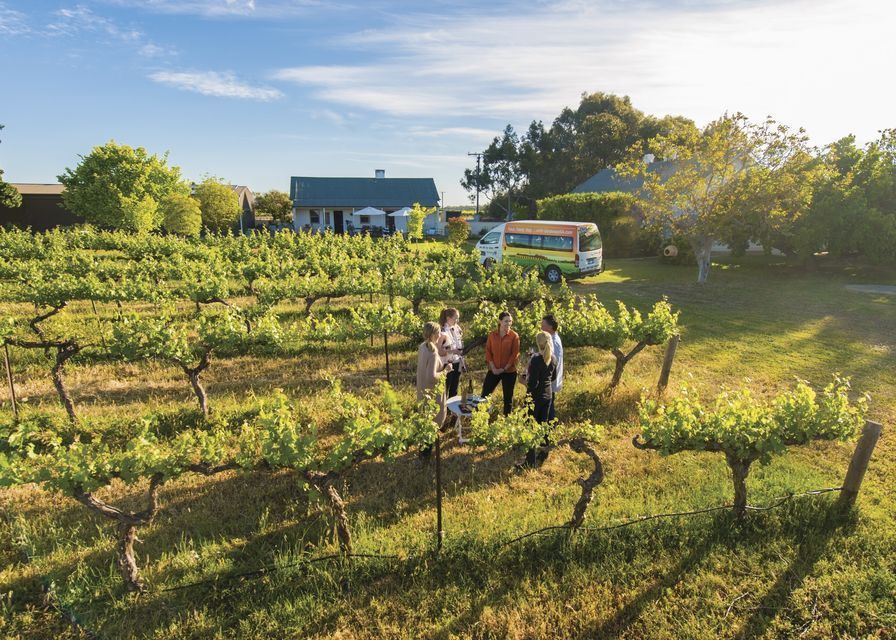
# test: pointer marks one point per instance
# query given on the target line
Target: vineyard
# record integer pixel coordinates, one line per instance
(219, 438)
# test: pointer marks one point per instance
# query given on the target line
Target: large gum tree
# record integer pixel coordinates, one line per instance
(728, 182)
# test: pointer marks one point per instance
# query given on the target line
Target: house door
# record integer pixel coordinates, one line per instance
(338, 227)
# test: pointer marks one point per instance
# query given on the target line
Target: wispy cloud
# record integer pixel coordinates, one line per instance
(12, 22)
(329, 115)
(696, 58)
(224, 8)
(81, 19)
(214, 83)
(473, 133)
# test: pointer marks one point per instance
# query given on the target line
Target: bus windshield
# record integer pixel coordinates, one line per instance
(589, 238)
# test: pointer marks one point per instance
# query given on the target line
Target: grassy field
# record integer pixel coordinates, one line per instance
(796, 571)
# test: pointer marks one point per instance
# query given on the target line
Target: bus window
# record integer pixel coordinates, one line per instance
(589, 238)
(519, 240)
(557, 243)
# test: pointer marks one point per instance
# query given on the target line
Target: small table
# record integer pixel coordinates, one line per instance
(453, 405)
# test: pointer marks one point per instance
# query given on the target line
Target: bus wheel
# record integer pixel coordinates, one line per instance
(553, 274)
(488, 263)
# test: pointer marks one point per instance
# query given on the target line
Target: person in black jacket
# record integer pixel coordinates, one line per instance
(540, 374)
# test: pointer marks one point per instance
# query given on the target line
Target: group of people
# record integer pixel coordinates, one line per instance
(442, 354)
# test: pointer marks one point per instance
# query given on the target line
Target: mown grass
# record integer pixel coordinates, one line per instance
(797, 571)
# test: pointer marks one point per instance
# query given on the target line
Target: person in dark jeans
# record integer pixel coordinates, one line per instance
(540, 376)
(451, 348)
(551, 326)
(502, 348)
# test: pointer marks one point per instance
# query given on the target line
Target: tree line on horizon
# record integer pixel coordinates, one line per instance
(733, 181)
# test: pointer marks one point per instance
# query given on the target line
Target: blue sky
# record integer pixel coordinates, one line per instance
(255, 91)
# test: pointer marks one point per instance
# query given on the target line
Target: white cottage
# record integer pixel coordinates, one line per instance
(355, 204)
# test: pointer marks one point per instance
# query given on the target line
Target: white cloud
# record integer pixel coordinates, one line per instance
(12, 22)
(222, 8)
(447, 132)
(80, 19)
(151, 50)
(213, 83)
(818, 63)
(329, 115)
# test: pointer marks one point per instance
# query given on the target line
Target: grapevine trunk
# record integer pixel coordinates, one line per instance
(127, 563)
(325, 483)
(740, 468)
(199, 390)
(63, 353)
(588, 484)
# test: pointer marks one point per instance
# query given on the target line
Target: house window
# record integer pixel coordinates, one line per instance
(365, 219)
(315, 216)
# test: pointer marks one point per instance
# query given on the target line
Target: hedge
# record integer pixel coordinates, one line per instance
(612, 213)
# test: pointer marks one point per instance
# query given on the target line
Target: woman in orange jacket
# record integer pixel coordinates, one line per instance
(502, 348)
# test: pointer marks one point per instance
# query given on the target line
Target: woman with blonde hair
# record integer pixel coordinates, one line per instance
(451, 348)
(431, 368)
(541, 373)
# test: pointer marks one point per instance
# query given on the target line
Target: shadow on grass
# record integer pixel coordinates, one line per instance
(813, 545)
(323, 597)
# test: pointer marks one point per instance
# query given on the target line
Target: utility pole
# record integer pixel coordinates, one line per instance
(478, 175)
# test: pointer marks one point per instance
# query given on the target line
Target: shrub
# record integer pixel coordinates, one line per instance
(458, 231)
(613, 213)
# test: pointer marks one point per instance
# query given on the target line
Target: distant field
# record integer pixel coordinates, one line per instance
(791, 572)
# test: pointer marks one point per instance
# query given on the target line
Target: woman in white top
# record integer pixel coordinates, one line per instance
(451, 348)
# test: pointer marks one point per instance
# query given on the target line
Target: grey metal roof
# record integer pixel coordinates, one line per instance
(362, 192)
(38, 189)
(607, 180)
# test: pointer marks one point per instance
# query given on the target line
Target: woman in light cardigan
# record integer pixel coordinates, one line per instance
(431, 368)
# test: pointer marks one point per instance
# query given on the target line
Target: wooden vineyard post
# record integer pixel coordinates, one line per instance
(386, 348)
(12, 388)
(667, 363)
(99, 326)
(440, 534)
(859, 463)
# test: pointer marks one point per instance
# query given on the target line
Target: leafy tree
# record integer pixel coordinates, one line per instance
(275, 204)
(119, 187)
(501, 171)
(9, 195)
(219, 203)
(458, 231)
(853, 208)
(415, 221)
(746, 429)
(730, 182)
(181, 215)
(579, 142)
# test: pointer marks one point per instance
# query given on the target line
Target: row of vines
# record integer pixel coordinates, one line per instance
(187, 302)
